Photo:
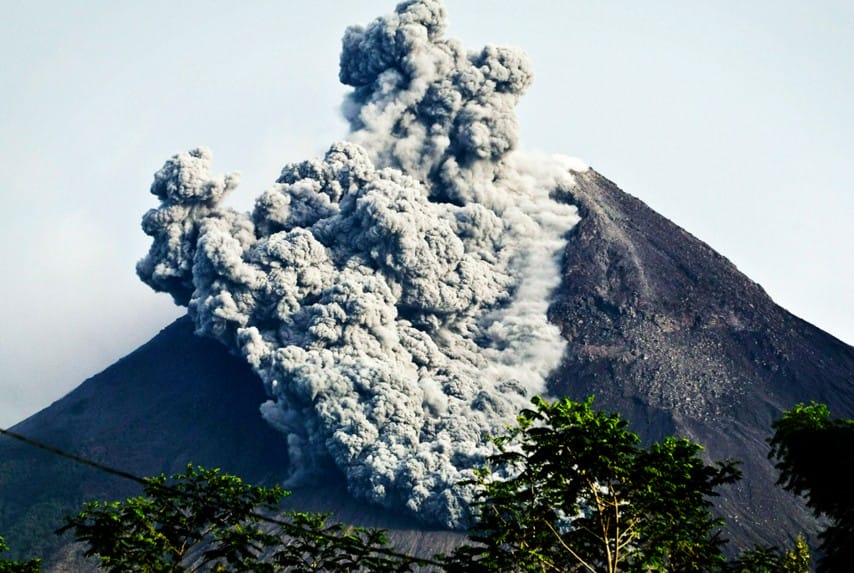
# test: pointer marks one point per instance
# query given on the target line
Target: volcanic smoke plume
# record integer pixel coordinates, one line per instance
(392, 295)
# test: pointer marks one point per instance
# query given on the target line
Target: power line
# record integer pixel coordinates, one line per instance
(169, 489)
(72, 457)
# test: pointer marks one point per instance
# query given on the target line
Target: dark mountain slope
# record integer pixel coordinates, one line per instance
(668, 332)
(151, 412)
(177, 399)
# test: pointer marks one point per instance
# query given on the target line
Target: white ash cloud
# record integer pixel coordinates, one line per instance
(392, 295)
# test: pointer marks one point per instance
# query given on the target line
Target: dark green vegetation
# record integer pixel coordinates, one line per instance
(568, 489)
(772, 560)
(815, 456)
(31, 566)
(572, 489)
(203, 520)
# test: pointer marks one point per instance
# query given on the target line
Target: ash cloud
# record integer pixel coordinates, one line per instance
(392, 295)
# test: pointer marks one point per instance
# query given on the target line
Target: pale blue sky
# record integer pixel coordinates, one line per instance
(733, 119)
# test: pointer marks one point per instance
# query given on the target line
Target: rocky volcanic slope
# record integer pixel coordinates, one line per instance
(668, 332)
(660, 328)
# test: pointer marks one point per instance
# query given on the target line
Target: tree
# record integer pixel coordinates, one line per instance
(31, 566)
(814, 454)
(762, 559)
(312, 544)
(157, 532)
(203, 520)
(796, 559)
(572, 489)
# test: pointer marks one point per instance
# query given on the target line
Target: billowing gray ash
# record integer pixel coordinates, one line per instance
(391, 296)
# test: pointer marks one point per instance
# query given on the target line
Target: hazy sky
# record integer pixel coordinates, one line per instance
(733, 119)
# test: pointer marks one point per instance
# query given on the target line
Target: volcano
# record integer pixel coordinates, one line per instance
(387, 306)
(661, 328)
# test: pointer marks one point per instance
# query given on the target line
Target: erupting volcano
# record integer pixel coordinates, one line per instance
(390, 305)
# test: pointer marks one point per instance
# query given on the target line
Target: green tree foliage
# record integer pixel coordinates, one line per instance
(312, 544)
(158, 531)
(814, 454)
(797, 559)
(761, 559)
(31, 566)
(572, 489)
(568, 489)
(203, 520)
